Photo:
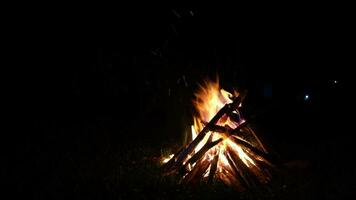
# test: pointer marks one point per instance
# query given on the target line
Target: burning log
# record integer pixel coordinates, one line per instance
(243, 169)
(213, 167)
(257, 139)
(202, 151)
(221, 129)
(227, 108)
(225, 148)
(237, 172)
(253, 149)
(231, 180)
(197, 171)
(171, 163)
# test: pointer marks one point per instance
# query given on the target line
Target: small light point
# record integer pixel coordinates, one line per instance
(306, 97)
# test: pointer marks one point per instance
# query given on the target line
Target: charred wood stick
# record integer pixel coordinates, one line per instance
(167, 166)
(213, 167)
(253, 149)
(238, 129)
(257, 142)
(238, 118)
(197, 171)
(227, 108)
(220, 129)
(257, 139)
(197, 140)
(237, 171)
(261, 168)
(261, 175)
(232, 181)
(200, 153)
(203, 150)
(245, 171)
(261, 160)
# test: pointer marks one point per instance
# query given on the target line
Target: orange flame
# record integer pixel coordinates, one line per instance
(209, 99)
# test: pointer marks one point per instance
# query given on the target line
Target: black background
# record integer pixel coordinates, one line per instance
(120, 79)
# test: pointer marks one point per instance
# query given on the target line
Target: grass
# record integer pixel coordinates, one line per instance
(134, 173)
(102, 165)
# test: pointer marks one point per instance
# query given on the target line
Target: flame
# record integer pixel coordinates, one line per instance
(209, 99)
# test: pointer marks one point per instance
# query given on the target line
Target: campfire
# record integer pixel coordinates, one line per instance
(223, 146)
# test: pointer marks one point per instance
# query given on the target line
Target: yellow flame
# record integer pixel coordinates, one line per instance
(242, 155)
(209, 99)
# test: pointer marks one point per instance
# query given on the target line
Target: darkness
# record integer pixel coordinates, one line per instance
(103, 90)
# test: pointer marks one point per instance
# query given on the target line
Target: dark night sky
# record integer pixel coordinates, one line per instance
(122, 73)
(95, 62)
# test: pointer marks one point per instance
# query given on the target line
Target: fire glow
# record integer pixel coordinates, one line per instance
(223, 147)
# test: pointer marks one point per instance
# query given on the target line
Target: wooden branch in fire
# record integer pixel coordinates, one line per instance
(193, 166)
(202, 151)
(253, 149)
(213, 167)
(226, 109)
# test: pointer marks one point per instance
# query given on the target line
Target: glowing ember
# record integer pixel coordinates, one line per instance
(223, 147)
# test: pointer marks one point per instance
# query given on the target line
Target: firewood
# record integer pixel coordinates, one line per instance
(232, 180)
(237, 171)
(240, 169)
(167, 166)
(213, 167)
(200, 153)
(248, 176)
(181, 156)
(220, 129)
(259, 143)
(227, 108)
(196, 173)
(250, 147)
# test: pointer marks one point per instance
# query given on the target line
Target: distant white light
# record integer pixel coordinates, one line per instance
(335, 81)
(306, 97)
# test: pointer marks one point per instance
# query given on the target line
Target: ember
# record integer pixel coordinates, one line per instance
(223, 147)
